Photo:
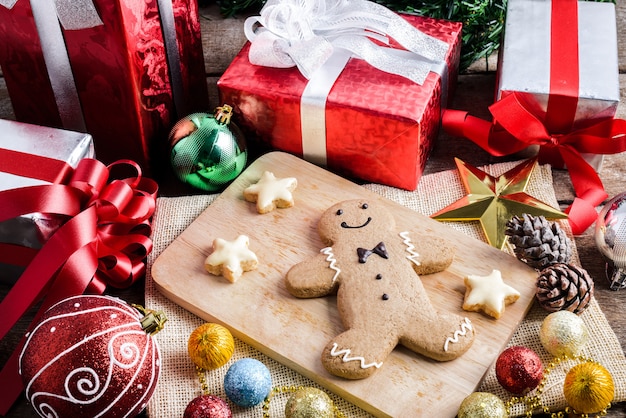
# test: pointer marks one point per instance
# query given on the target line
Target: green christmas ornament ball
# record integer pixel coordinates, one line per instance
(207, 151)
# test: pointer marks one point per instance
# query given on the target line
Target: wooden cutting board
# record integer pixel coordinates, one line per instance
(259, 310)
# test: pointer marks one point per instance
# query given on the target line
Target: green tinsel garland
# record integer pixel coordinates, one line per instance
(483, 20)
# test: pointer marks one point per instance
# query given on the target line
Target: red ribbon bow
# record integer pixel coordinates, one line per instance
(521, 128)
(104, 242)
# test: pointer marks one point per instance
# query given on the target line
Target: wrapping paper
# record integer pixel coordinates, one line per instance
(378, 127)
(102, 67)
(179, 383)
(525, 65)
(536, 64)
(66, 147)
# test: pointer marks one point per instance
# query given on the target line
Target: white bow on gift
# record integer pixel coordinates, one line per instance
(320, 36)
(306, 33)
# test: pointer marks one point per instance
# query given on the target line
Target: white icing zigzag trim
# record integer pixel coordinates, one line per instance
(466, 325)
(346, 357)
(410, 247)
(333, 261)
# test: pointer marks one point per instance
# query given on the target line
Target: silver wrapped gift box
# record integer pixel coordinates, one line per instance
(67, 146)
(525, 65)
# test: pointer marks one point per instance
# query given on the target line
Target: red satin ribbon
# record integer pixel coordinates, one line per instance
(104, 242)
(519, 128)
(35, 166)
(564, 71)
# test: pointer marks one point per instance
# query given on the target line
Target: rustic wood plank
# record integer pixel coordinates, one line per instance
(620, 18)
(221, 38)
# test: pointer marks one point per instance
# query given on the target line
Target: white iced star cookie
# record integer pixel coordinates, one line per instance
(271, 192)
(231, 258)
(488, 294)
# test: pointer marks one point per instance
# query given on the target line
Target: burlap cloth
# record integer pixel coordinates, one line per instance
(179, 383)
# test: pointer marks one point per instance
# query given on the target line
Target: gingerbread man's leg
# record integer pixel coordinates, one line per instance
(355, 354)
(440, 336)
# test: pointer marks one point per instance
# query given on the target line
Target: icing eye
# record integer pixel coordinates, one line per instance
(339, 211)
(364, 206)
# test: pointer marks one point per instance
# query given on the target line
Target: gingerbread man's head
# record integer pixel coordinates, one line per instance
(354, 218)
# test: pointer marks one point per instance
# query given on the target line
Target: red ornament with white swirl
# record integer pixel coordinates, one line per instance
(92, 356)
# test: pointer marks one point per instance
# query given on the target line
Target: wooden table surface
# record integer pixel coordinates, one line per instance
(222, 39)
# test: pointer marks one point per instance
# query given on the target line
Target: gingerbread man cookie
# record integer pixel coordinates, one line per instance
(380, 297)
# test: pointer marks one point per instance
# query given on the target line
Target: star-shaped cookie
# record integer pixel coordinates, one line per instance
(271, 192)
(488, 294)
(231, 258)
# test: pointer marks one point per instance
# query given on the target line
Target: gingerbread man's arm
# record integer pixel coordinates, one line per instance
(314, 277)
(433, 254)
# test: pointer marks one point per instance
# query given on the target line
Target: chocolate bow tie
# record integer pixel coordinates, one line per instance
(379, 249)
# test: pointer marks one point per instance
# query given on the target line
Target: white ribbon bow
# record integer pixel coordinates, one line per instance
(305, 33)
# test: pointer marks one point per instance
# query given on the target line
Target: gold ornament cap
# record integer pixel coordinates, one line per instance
(153, 321)
(223, 114)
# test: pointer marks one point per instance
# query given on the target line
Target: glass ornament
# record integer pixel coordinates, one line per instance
(610, 236)
(92, 356)
(207, 151)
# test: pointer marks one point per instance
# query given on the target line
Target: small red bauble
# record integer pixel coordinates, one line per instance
(519, 370)
(89, 356)
(207, 406)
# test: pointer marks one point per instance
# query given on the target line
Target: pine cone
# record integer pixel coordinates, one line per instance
(538, 242)
(564, 287)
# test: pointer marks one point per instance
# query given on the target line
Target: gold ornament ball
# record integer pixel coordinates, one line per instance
(563, 333)
(210, 346)
(482, 405)
(309, 403)
(588, 388)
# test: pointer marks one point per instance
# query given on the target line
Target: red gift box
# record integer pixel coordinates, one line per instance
(101, 67)
(379, 127)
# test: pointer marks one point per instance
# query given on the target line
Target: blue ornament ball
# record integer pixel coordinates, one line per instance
(247, 382)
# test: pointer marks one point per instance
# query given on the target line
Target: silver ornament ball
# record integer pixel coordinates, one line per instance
(610, 236)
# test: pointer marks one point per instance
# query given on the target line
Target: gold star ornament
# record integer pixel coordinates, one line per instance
(493, 201)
